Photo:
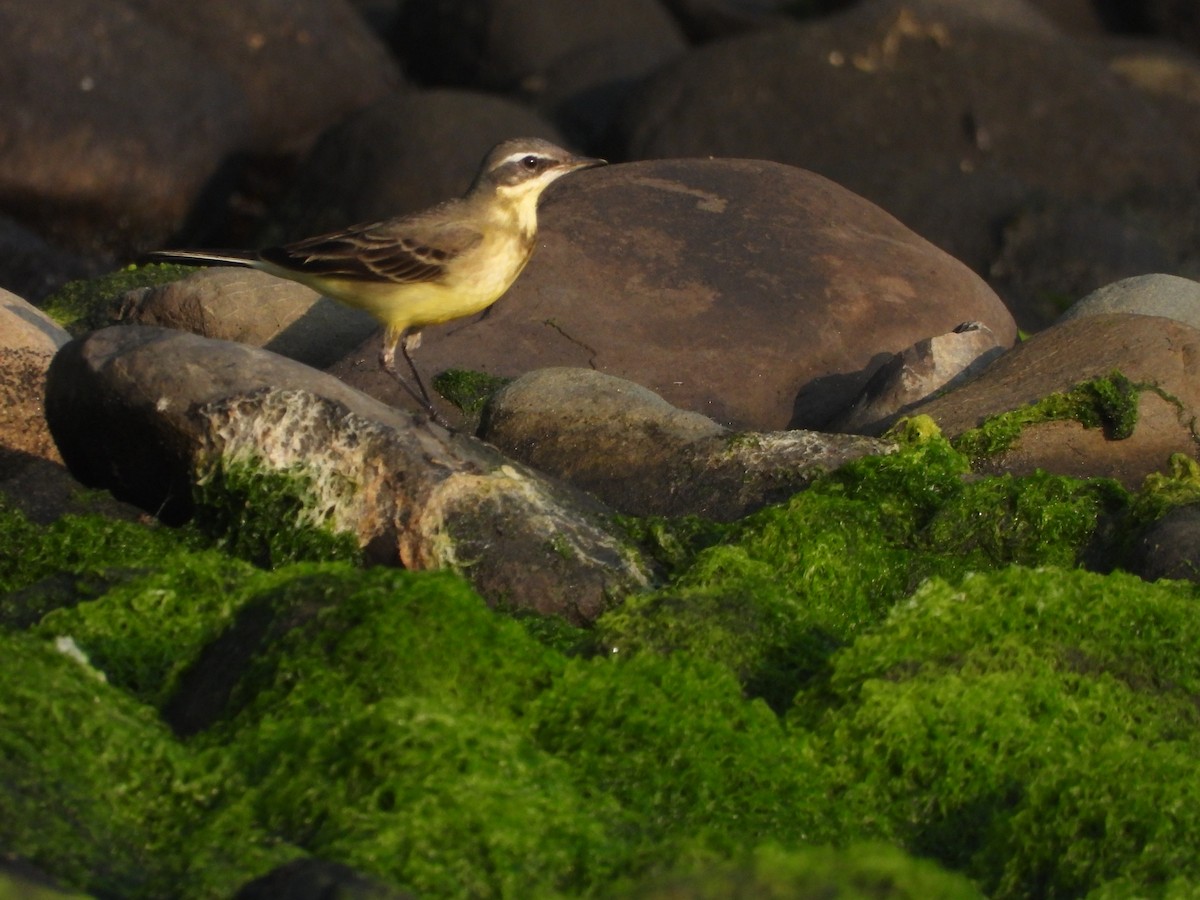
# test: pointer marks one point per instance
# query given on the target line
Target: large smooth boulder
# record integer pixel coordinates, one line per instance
(757, 294)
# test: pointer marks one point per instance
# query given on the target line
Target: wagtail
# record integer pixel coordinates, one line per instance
(450, 261)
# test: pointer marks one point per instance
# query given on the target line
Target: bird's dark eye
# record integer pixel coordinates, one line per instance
(530, 162)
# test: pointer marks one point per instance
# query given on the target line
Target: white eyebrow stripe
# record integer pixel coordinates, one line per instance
(518, 156)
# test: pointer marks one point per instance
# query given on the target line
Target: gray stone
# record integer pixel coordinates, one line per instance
(251, 307)
(916, 374)
(1168, 296)
(642, 456)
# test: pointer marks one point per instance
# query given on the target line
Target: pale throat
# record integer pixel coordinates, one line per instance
(516, 210)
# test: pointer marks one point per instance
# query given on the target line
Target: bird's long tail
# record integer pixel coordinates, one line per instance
(206, 257)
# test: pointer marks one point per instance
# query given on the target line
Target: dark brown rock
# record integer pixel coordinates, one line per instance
(1146, 349)
(32, 268)
(301, 64)
(1166, 76)
(759, 295)
(510, 44)
(937, 111)
(1178, 20)
(584, 91)
(707, 19)
(1052, 254)
(1082, 17)
(403, 153)
(642, 456)
(842, 96)
(95, 155)
(1170, 547)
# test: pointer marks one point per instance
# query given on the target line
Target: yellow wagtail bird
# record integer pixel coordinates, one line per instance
(450, 261)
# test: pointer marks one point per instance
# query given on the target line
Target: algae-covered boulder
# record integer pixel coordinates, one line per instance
(97, 792)
(697, 769)
(1029, 727)
(773, 595)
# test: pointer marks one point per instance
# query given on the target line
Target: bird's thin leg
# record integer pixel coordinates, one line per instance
(387, 361)
(408, 343)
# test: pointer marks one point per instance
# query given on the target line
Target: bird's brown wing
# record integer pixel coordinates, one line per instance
(416, 248)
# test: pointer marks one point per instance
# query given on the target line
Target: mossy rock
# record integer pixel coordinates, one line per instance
(1109, 403)
(787, 586)
(327, 637)
(432, 799)
(1033, 728)
(857, 872)
(699, 772)
(97, 792)
(88, 304)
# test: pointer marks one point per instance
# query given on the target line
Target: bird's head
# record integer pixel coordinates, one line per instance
(520, 169)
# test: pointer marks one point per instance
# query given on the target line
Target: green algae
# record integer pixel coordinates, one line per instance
(82, 545)
(863, 871)
(469, 391)
(1030, 727)
(384, 729)
(267, 516)
(147, 629)
(1037, 519)
(348, 636)
(86, 304)
(1110, 403)
(672, 543)
(697, 771)
(97, 792)
(16, 886)
(440, 801)
(787, 586)
(1161, 492)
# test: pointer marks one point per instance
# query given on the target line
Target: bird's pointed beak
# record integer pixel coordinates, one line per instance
(584, 162)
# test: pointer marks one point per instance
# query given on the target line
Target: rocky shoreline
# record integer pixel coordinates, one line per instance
(820, 512)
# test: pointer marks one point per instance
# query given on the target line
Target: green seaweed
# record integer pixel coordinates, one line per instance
(1109, 402)
(1030, 727)
(86, 304)
(357, 636)
(1161, 492)
(861, 871)
(790, 584)
(97, 792)
(698, 771)
(267, 516)
(468, 390)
